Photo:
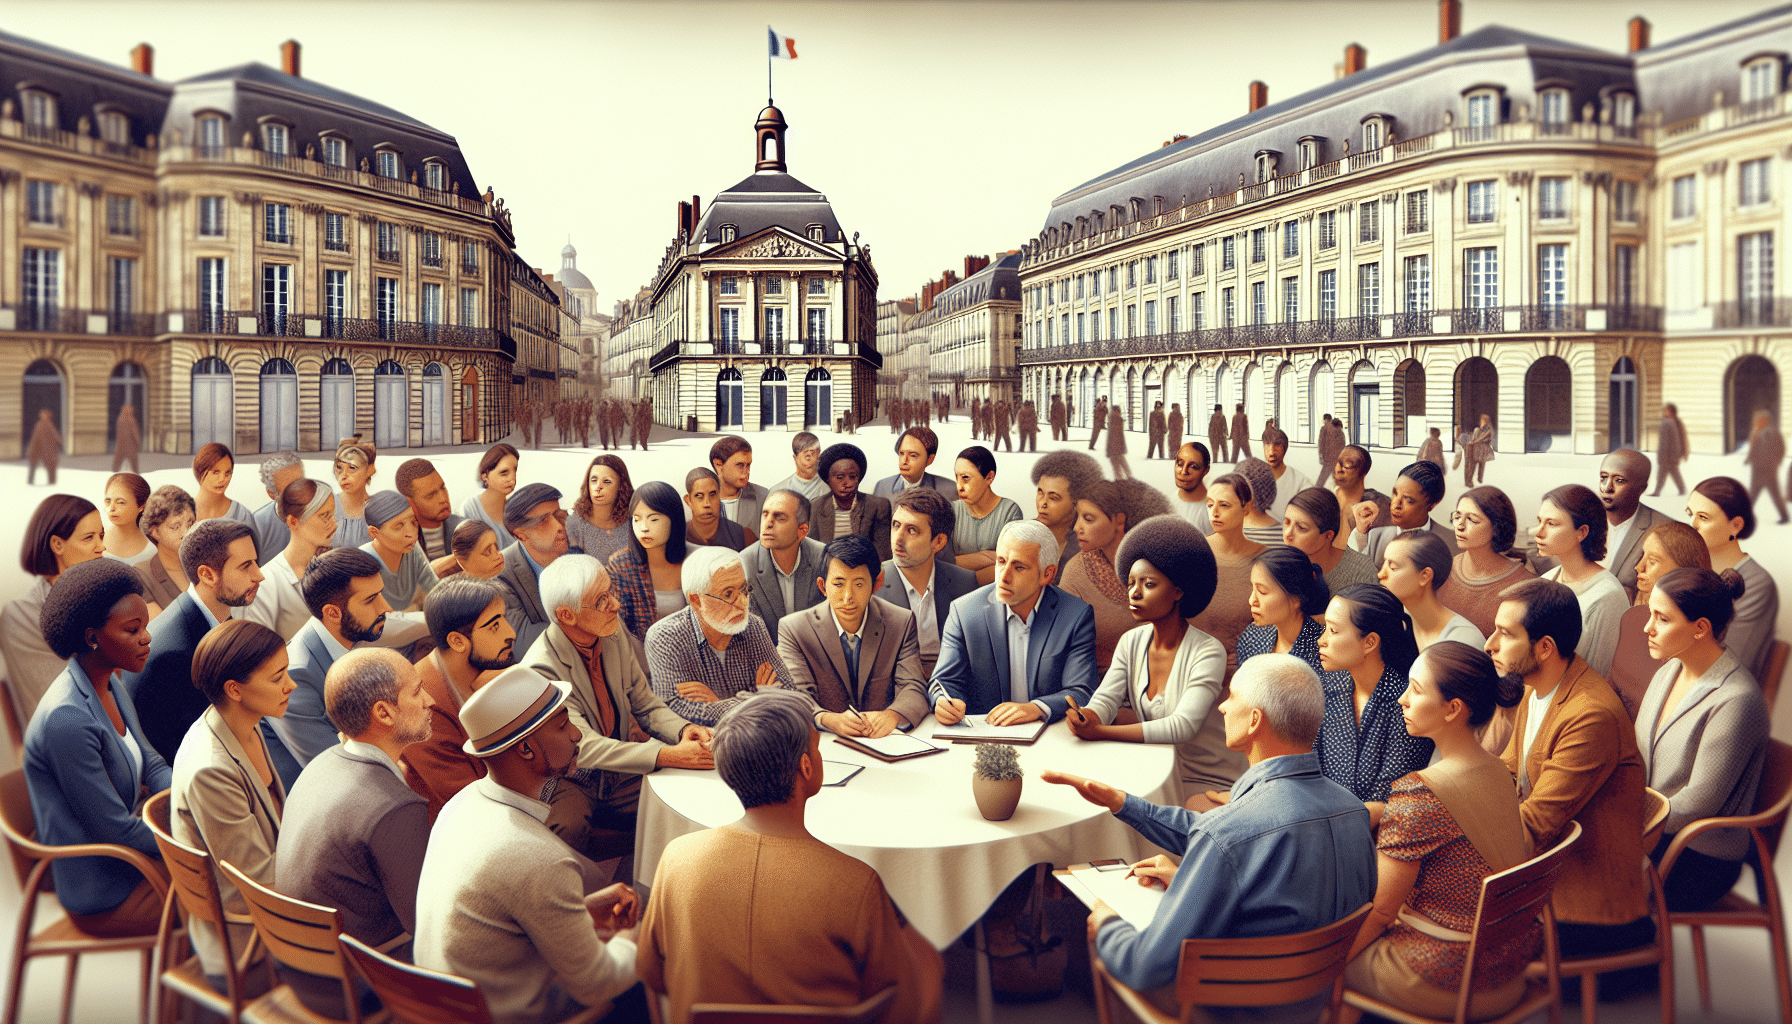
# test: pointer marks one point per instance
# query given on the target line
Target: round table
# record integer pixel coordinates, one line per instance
(917, 824)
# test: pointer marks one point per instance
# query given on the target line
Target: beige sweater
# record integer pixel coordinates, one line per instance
(1227, 615)
(739, 917)
(1111, 620)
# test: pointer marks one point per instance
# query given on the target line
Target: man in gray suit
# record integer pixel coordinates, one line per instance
(1623, 477)
(346, 595)
(732, 459)
(915, 451)
(784, 565)
(915, 578)
(533, 516)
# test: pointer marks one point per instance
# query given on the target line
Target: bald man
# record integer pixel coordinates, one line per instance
(1623, 477)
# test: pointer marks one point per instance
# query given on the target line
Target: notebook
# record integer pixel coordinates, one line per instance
(835, 773)
(976, 729)
(897, 746)
(1135, 903)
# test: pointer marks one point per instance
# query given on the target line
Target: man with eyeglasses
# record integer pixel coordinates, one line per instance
(625, 731)
(704, 658)
(534, 517)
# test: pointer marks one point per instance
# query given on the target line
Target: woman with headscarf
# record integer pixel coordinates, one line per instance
(404, 569)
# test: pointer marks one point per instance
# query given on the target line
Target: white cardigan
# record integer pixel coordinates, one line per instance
(1191, 697)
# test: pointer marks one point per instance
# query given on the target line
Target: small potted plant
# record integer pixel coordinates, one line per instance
(996, 779)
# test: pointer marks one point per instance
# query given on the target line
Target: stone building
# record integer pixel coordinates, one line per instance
(904, 374)
(973, 329)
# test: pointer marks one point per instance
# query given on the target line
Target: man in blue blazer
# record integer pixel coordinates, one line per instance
(1016, 649)
(346, 595)
(915, 451)
(917, 577)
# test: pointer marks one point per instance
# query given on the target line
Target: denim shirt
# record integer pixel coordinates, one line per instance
(1291, 852)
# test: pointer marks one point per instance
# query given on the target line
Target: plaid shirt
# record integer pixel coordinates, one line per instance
(633, 586)
(677, 652)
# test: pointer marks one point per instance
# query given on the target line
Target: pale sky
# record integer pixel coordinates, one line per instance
(937, 130)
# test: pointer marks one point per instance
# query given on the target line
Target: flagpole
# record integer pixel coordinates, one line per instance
(768, 72)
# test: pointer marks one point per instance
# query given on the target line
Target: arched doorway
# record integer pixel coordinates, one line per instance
(336, 404)
(279, 406)
(728, 399)
(1365, 404)
(1252, 397)
(1548, 406)
(1409, 403)
(391, 406)
(214, 413)
(1222, 391)
(1085, 398)
(469, 406)
(818, 399)
(43, 388)
(1751, 385)
(1319, 398)
(774, 398)
(127, 386)
(436, 413)
(1286, 415)
(1477, 394)
(1621, 405)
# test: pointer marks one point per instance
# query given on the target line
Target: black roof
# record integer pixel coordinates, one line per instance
(1682, 77)
(82, 85)
(768, 199)
(999, 280)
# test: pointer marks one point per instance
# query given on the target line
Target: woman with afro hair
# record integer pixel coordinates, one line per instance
(1104, 515)
(1172, 671)
(845, 509)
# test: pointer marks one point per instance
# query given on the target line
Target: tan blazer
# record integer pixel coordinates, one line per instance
(889, 660)
(219, 805)
(555, 656)
(1585, 767)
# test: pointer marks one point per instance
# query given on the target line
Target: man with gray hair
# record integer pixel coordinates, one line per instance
(1048, 638)
(704, 658)
(354, 833)
(625, 731)
(271, 534)
(719, 927)
(1290, 852)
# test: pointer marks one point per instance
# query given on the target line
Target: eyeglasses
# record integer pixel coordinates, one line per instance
(605, 599)
(733, 595)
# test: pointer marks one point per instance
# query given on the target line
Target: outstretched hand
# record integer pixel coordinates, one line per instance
(1098, 793)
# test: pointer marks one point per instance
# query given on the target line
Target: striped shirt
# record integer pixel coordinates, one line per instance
(678, 652)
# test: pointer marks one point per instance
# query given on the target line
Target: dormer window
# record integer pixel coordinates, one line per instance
(1312, 152)
(115, 128)
(1374, 133)
(335, 151)
(1553, 109)
(817, 233)
(275, 139)
(1624, 111)
(729, 233)
(1266, 164)
(435, 175)
(1761, 79)
(1483, 109)
(40, 109)
(387, 163)
(1138, 209)
(210, 135)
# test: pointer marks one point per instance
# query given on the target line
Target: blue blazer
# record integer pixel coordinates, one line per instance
(79, 775)
(305, 729)
(973, 665)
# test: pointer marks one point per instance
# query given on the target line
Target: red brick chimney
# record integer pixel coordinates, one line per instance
(143, 59)
(1639, 33)
(972, 264)
(289, 57)
(1355, 59)
(1259, 96)
(696, 213)
(684, 219)
(1449, 20)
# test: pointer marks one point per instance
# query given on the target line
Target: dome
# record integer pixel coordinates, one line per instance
(570, 276)
(569, 252)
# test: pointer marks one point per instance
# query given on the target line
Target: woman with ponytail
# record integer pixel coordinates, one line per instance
(1415, 565)
(1447, 827)
(1702, 729)
(1366, 650)
(1288, 597)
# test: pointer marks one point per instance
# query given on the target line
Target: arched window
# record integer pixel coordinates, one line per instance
(729, 387)
(469, 406)
(1548, 406)
(1287, 416)
(391, 406)
(126, 386)
(774, 398)
(279, 406)
(1751, 385)
(1477, 393)
(1319, 399)
(436, 413)
(1365, 404)
(1621, 405)
(336, 403)
(818, 399)
(43, 388)
(213, 413)
(1409, 403)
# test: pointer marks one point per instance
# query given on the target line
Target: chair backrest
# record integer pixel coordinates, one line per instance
(1513, 899)
(1776, 670)
(1266, 971)
(1774, 797)
(15, 731)
(1655, 816)
(18, 821)
(865, 1012)
(190, 871)
(300, 935)
(415, 995)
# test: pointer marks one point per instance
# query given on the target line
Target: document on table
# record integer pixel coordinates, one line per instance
(835, 773)
(976, 728)
(897, 746)
(1108, 883)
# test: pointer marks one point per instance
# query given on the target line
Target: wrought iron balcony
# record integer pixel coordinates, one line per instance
(297, 325)
(60, 320)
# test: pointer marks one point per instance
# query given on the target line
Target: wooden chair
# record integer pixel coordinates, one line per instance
(418, 995)
(1765, 827)
(9, 710)
(735, 1013)
(1265, 971)
(1776, 671)
(302, 936)
(31, 862)
(1511, 902)
(194, 896)
(1659, 952)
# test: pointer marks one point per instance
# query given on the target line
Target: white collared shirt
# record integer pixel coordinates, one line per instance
(211, 621)
(371, 754)
(1020, 632)
(787, 580)
(490, 789)
(330, 643)
(1614, 539)
(927, 624)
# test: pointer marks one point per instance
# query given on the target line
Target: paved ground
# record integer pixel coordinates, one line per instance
(1740, 959)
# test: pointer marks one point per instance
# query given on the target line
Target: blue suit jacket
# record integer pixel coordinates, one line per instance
(973, 665)
(305, 729)
(79, 775)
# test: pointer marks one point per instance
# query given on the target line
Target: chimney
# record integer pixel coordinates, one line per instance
(1174, 139)
(143, 57)
(696, 213)
(1355, 59)
(1639, 34)
(289, 57)
(684, 219)
(1449, 20)
(1259, 96)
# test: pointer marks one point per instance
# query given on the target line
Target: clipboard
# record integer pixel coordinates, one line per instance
(923, 749)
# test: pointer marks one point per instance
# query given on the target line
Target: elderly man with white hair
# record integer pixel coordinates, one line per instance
(271, 532)
(357, 831)
(625, 730)
(1291, 852)
(1048, 638)
(705, 657)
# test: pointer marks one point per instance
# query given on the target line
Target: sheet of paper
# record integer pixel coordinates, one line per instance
(1132, 901)
(896, 744)
(978, 727)
(835, 773)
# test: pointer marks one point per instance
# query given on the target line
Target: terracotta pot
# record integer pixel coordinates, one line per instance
(996, 799)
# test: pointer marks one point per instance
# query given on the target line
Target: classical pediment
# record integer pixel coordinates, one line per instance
(772, 245)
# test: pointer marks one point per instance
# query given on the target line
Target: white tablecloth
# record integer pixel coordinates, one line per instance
(917, 824)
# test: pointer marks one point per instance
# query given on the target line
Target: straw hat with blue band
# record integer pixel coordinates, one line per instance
(508, 708)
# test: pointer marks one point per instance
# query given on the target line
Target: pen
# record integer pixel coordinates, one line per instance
(855, 711)
(1078, 711)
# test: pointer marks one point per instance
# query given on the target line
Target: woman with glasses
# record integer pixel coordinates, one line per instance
(308, 509)
(354, 469)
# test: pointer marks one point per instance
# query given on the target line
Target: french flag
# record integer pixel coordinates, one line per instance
(782, 47)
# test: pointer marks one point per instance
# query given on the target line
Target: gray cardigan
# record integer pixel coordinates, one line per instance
(1707, 755)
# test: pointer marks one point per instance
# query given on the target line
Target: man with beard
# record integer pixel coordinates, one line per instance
(916, 577)
(624, 730)
(1574, 752)
(500, 901)
(705, 657)
(345, 592)
(353, 833)
(474, 642)
(218, 555)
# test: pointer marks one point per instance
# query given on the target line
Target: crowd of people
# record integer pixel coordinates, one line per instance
(617, 422)
(439, 723)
